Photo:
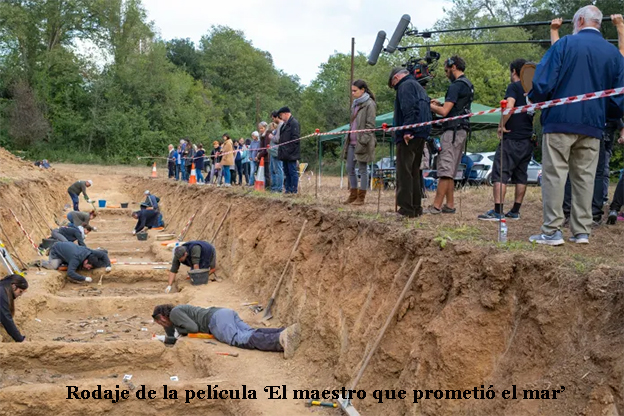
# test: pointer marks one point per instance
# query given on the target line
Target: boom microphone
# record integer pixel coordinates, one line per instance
(377, 48)
(398, 33)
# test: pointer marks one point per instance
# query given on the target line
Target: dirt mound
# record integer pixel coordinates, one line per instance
(475, 316)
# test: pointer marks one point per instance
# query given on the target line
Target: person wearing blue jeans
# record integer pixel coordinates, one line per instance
(227, 327)
(289, 151)
(199, 163)
(291, 176)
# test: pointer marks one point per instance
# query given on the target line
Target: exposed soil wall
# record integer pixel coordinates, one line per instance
(474, 316)
(21, 186)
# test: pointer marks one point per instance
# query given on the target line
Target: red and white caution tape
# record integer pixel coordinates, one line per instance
(25, 232)
(142, 263)
(568, 100)
(188, 224)
(516, 110)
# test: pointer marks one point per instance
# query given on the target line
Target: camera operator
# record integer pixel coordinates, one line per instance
(458, 100)
(411, 106)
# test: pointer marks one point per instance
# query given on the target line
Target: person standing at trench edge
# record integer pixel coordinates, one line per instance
(11, 288)
(359, 148)
(411, 106)
(457, 102)
(585, 62)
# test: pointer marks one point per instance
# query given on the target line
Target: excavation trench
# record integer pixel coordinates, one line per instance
(475, 315)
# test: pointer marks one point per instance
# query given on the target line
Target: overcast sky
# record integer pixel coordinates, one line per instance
(300, 35)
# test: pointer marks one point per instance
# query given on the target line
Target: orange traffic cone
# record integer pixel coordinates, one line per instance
(259, 182)
(193, 177)
(154, 173)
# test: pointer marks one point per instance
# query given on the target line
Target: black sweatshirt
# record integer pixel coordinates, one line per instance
(6, 319)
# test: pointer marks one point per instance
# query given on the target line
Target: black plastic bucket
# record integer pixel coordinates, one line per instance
(124, 204)
(199, 276)
(142, 236)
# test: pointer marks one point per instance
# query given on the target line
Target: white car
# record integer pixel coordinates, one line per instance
(487, 159)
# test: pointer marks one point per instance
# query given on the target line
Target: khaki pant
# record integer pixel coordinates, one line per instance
(576, 155)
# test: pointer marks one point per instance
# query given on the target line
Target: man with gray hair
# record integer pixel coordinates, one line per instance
(194, 254)
(582, 63)
(411, 106)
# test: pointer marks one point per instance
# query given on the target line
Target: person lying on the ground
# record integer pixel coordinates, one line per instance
(146, 218)
(71, 234)
(227, 327)
(75, 257)
(78, 188)
(80, 219)
(194, 254)
(11, 288)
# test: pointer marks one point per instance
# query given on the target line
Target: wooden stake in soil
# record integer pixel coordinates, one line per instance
(267, 313)
(25, 232)
(39, 212)
(386, 325)
(188, 227)
(6, 237)
(212, 240)
(32, 218)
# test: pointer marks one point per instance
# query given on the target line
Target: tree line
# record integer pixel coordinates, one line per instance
(89, 81)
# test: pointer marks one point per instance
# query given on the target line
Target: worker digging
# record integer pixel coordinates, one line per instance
(198, 255)
(151, 203)
(227, 327)
(71, 234)
(77, 188)
(75, 257)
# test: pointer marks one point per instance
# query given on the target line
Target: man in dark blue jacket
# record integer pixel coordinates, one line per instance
(577, 64)
(411, 106)
(194, 254)
(75, 257)
(146, 218)
(71, 234)
(289, 151)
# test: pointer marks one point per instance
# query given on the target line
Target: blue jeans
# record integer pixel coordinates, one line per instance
(277, 174)
(177, 172)
(252, 172)
(226, 174)
(246, 171)
(74, 199)
(227, 327)
(198, 173)
(239, 171)
(291, 176)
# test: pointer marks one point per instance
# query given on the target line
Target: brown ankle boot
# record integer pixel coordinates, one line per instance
(352, 196)
(360, 197)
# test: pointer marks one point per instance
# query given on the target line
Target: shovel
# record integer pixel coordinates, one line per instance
(267, 312)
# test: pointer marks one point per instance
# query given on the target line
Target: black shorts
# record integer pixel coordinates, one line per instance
(517, 155)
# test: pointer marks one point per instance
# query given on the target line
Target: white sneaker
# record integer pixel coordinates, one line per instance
(88, 279)
(580, 239)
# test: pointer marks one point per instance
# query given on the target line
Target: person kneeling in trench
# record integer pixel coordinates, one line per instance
(194, 254)
(75, 257)
(11, 288)
(227, 327)
(146, 218)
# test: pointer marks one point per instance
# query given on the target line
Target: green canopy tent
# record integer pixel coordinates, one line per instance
(482, 122)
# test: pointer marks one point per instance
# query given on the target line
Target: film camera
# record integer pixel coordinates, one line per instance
(421, 68)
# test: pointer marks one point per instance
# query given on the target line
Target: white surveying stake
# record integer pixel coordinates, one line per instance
(7, 261)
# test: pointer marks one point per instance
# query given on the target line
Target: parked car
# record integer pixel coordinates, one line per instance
(486, 159)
